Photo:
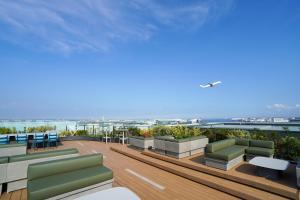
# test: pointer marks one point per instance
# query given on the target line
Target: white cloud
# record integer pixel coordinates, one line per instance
(70, 25)
(278, 106)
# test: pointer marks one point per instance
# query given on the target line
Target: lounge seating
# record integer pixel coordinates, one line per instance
(4, 139)
(39, 138)
(22, 139)
(17, 167)
(68, 178)
(225, 154)
(260, 148)
(12, 149)
(52, 139)
(3, 167)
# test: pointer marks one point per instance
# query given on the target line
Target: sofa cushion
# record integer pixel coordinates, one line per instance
(242, 142)
(262, 143)
(3, 160)
(50, 186)
(222, 144)
(260, 151)
(44, 154)
(54, 167)
(228, 153)
(12, 145)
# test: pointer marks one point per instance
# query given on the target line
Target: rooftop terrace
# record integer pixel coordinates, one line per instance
(152, 176)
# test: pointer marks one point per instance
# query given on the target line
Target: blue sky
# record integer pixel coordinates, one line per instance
(146, 59)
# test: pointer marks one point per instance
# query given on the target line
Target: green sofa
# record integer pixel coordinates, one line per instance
(68, 178)
(260, 148)
(12, 149)
(16, 173)
(225, 154)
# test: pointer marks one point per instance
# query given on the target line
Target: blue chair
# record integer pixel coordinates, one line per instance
(39, 139)
(52, 138)
(4, 139)
(22, 138)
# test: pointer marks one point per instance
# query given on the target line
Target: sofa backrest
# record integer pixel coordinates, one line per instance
(262, 144)
(242, 142)
(11, 145)
(50, 168)
(3, 160)
(222, 144)
(44, 154)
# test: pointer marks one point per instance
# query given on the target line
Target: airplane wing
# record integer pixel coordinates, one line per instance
(204, 86)
(217, 82)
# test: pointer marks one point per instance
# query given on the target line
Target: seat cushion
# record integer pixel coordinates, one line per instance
(262, 144)
(260, 151)
(44, 154)
(219, 145)
(50, 186)
(228, 153)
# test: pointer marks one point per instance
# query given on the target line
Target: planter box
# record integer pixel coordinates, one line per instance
(71, 138)
(141, 142)
(180, 148)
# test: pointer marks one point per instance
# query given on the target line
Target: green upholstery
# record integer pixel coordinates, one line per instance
(50, 168)
(57, 177)
(216, 146)
(3, 160)
(228, 153)
(242, 141)
(50, 186)
(259, 151)
(231, 148)
(44, 154)
(262, 144)
(12, 145)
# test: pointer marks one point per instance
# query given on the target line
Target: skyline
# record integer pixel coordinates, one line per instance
(146, 59)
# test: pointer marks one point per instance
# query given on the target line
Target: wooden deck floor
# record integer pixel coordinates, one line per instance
(146, 181)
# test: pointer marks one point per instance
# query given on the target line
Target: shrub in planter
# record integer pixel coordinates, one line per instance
(140, 138)
(179, 141)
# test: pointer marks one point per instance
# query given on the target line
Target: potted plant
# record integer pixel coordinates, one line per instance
(142, 139)
(179, 141)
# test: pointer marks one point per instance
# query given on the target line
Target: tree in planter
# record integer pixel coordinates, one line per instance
(161, 131)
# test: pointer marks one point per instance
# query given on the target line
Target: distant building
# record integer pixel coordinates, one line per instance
(280, 120)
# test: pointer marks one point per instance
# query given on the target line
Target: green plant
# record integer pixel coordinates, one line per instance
(81, 133)
(66, 133)
(134, 131)
(4, 130)
(39, 129)
(178, 132)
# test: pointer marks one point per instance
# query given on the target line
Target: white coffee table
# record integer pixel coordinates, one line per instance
(269, 167)
(115, 193)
